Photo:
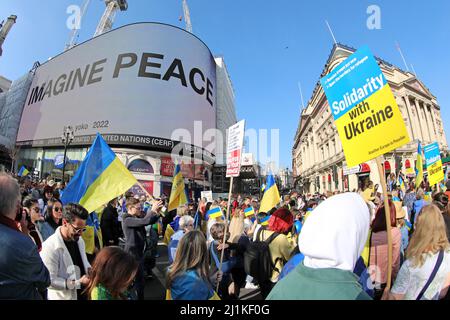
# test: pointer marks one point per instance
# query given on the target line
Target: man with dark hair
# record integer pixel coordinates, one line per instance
(133, 226)
(65, 257)
(23, 275)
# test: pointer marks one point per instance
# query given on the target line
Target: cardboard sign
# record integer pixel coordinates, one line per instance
(365, 112)
(434, 163)
(234, 148)
(208, 195)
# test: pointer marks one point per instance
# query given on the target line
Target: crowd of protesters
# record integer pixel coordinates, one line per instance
(310, 246)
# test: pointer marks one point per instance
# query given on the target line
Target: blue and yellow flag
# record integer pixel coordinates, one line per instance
(401, 182)
(177, 194)
(23, 172)
(265, 221)
(271, 195)
(100, 178)
(419, 166)
(263, 187)
(249, 212)
(214, 213)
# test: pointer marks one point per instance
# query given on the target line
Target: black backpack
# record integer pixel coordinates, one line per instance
(257, 258)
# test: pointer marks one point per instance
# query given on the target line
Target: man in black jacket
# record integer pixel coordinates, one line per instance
(133, 226)
(110, 225)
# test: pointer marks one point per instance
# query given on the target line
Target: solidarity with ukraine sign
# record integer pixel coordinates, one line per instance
(365, 112)
(434, 163)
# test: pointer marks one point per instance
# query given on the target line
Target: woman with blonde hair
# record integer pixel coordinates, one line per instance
(188, 277)
(425, 275)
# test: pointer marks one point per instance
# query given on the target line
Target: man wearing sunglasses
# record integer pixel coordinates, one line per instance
(65, 257)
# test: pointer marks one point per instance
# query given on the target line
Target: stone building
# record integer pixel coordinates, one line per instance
(318, 160)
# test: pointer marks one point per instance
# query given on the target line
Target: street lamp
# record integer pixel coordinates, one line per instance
(67, 138)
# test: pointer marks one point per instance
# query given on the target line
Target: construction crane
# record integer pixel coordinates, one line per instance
(74, 32)
(107, 19)
(5, 28)
(187, 16)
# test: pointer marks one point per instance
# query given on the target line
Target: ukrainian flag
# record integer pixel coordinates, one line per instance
(419, 166)
(249, 212)
(271, 195)
(265, 221)
(401, 182)
(263, 187)
(100, 178)
(214, 213)
(23, 172)
(177, 194)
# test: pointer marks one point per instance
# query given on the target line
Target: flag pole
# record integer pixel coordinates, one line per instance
(388, 220)
(226, 229)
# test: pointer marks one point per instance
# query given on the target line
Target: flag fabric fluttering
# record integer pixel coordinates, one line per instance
(178, 193)
(100, 178)
(23, 172)
(401, 182)
(249, 212)
(263, 187)
(214, 213)
(271, 195)
(419, 166)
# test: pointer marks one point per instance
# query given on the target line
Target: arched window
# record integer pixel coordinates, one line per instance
(140, 166)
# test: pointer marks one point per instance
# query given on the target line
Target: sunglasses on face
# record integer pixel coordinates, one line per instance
(57, 209)
(77, 230)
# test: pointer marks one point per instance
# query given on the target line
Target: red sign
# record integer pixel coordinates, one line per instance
(167, 166)
(137, 190)
(234, 163)
(187, 169)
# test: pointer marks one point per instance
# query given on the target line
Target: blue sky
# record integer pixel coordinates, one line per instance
(268, 46)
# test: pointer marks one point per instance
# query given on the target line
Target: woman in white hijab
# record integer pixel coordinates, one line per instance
(332, 241)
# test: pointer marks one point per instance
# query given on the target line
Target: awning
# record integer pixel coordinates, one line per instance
(387, 167)
(407, 164)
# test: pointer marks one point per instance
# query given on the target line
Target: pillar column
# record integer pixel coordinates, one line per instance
(428, 119)
(422, 119)
(416, 119)
(410, 123)
(433, 123)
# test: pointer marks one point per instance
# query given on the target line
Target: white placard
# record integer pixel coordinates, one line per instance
(235, 142)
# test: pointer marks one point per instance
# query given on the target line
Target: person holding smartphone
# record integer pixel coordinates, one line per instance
(133, 225)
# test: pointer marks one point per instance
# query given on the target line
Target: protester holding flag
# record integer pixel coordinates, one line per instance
(378, 260)
(133, 226)
(332, 241)
(189, 276)
(425, 275)
(419, 166)
(100, 178)
(279, 225)
(213, 215)
(271, 195)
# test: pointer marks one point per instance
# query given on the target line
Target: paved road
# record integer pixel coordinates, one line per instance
(155, 288)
